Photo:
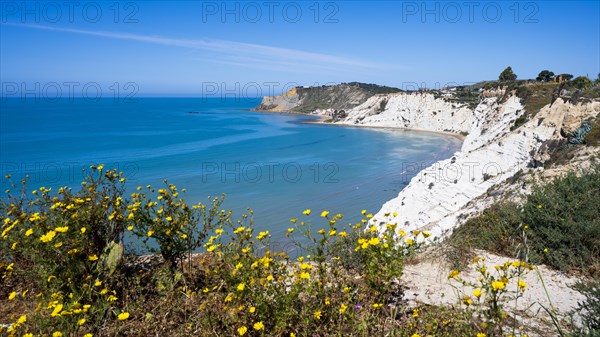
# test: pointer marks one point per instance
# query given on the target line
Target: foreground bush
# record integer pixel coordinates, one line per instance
(65, 271)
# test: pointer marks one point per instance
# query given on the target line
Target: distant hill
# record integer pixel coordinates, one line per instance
(338, 97)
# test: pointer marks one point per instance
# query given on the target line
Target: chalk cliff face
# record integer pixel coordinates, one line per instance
(436, 198)
(440, 196)
(412, 110)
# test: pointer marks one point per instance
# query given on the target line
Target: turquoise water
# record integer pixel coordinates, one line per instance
(276, 164)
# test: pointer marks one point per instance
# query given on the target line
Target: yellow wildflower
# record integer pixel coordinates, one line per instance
(63, 229)
(324, 214)
(259, 326)
(48, 236)
(498, 285)
(306, 212)
(477, 293)
(57, 310)
(123, 316)
(343, 308)
(93, 257)
(29, 232)
(262, 235)
(12, 296)
(242, 330)
(317, 314)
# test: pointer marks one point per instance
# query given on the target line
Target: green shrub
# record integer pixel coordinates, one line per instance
(564, 221)
(558, 224)
(495, 230)
(62, 248)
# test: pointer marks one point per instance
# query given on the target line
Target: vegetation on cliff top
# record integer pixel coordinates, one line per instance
(342, 96)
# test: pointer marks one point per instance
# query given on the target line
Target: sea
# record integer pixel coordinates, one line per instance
(276, 164)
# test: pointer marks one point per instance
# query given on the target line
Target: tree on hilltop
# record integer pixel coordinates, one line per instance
(564, 78)
(507, 75)
(545, 76)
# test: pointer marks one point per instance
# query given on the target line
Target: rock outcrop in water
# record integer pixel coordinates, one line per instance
(502, 139)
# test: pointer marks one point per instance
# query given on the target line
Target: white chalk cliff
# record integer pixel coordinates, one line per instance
(437, 198)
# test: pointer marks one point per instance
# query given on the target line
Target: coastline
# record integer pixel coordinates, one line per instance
(321, 120)
(492, 152)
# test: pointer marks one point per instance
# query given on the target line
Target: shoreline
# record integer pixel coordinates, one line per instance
(320, 120)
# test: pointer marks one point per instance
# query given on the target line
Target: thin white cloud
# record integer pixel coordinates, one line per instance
(281, 57)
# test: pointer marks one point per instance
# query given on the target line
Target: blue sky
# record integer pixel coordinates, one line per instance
(190, 47)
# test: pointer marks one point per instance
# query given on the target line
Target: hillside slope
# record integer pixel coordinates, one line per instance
(335, 97)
